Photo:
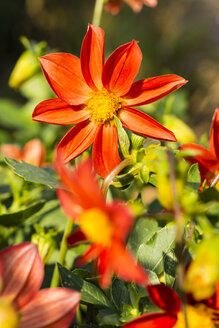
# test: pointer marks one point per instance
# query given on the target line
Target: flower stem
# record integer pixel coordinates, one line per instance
(62, 253)
(98, 9)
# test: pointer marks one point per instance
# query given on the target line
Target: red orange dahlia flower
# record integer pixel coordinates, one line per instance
(22, 304)
(90, 93)
(105, 226)
(199, 314)
(113, 6)
(208, 160)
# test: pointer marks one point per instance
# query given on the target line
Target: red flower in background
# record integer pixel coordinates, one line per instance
(105, 226)
(208, 160)
(90, 93)
(113, 6)
(199, 314)
(22, 304)
(33, 152)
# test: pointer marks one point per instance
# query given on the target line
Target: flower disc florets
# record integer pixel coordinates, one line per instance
(197, 316)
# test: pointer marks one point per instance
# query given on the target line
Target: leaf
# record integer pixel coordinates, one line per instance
(90, 293)
(109, 317)
(32, 173)
(152, 254)
(194, 178)
(19, 217)
(170, 268)
(124, 141)
(120, 293)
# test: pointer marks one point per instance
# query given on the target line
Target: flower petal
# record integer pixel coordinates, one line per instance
(143, 124)
(113, 6)
(77, 140)
(105, 150)
(76, 237)
(165, 298)
(150, 3)
(92, 253)
(105, 268)
(121, 68)
(12, 151)
(34, 152)
(50, 308)
(149, 90)
(92, 57)
(153, 320)
(22, 272)
(56, 111)
(69, 204)
(213, 301)
(214, 136)
(63, 73)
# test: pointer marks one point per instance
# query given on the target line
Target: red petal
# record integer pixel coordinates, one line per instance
(69, 204)
(22, 272)
(105, 268)
(165, 298)
(214, 136)
(105, 150)
(92, 253)
(50, 308)
(63, 73)
(56, 111)
(11, 151)
(76, 237)
(149, 90)
(92, 57)
(121, 68)
(34, 152)
(113, 7)
(153, 320)
(77, 140)
(214, 301)
(143, 124)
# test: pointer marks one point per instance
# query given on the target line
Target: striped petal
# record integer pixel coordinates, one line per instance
(63, 73)
(153, 320)
(92, 57)
(149, 90)
(121, 68)
(214, 135)
(56, 111)
(105, 150)
(143, 124)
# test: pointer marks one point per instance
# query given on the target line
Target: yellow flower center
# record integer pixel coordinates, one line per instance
(199, 316)
(96, 226)
(103, 105)
(9, 318)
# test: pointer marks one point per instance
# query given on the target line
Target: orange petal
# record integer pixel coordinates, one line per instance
(165, 298)
(153, 320)
(11, 151)
(56, 111)
(121, 68)
(113, 6)
(22, 272)
(69, 204)
(92, 253)
(143, 124)
(92, 57)
(34, 152)
(105, 150)
(105, 268)
(50, 308)
(63, 73)
(149, 90)
(77, 140)
(214, 135)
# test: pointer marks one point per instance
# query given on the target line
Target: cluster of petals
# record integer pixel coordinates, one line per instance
(113, 6)
(33, 152)
(106, 225)
(208, 160)
(199, 314)
(21, 276)
(90, 92)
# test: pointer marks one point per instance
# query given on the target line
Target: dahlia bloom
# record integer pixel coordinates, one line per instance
(22, 305)
(105, 226)
(90, 93)
(33, 152)
(199, 314)
(113, 6)
(208, 160)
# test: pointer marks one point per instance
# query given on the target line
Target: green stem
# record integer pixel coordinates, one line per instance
(98, 9)
(62, 253)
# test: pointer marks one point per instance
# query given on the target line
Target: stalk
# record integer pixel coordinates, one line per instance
(98, 10)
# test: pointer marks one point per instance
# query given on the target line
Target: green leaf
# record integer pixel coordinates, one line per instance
(124, 141)
(152, 254)
(170, 268)
(32, 173)
(19, 217)
(90, 293)
(194, 178)
(120, 293)
(109, 317)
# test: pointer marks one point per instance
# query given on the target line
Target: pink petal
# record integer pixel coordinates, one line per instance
(63, 73)
(34, 152)
(153, 320)
(214, 135)
(50, 308)
(149, 90)
(77, 140)
(22, 272)
(121, 68)
(105, 153)
(56, 111)
(92, 57)
(143, 124)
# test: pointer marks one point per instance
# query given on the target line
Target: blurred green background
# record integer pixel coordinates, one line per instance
(179, 36)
